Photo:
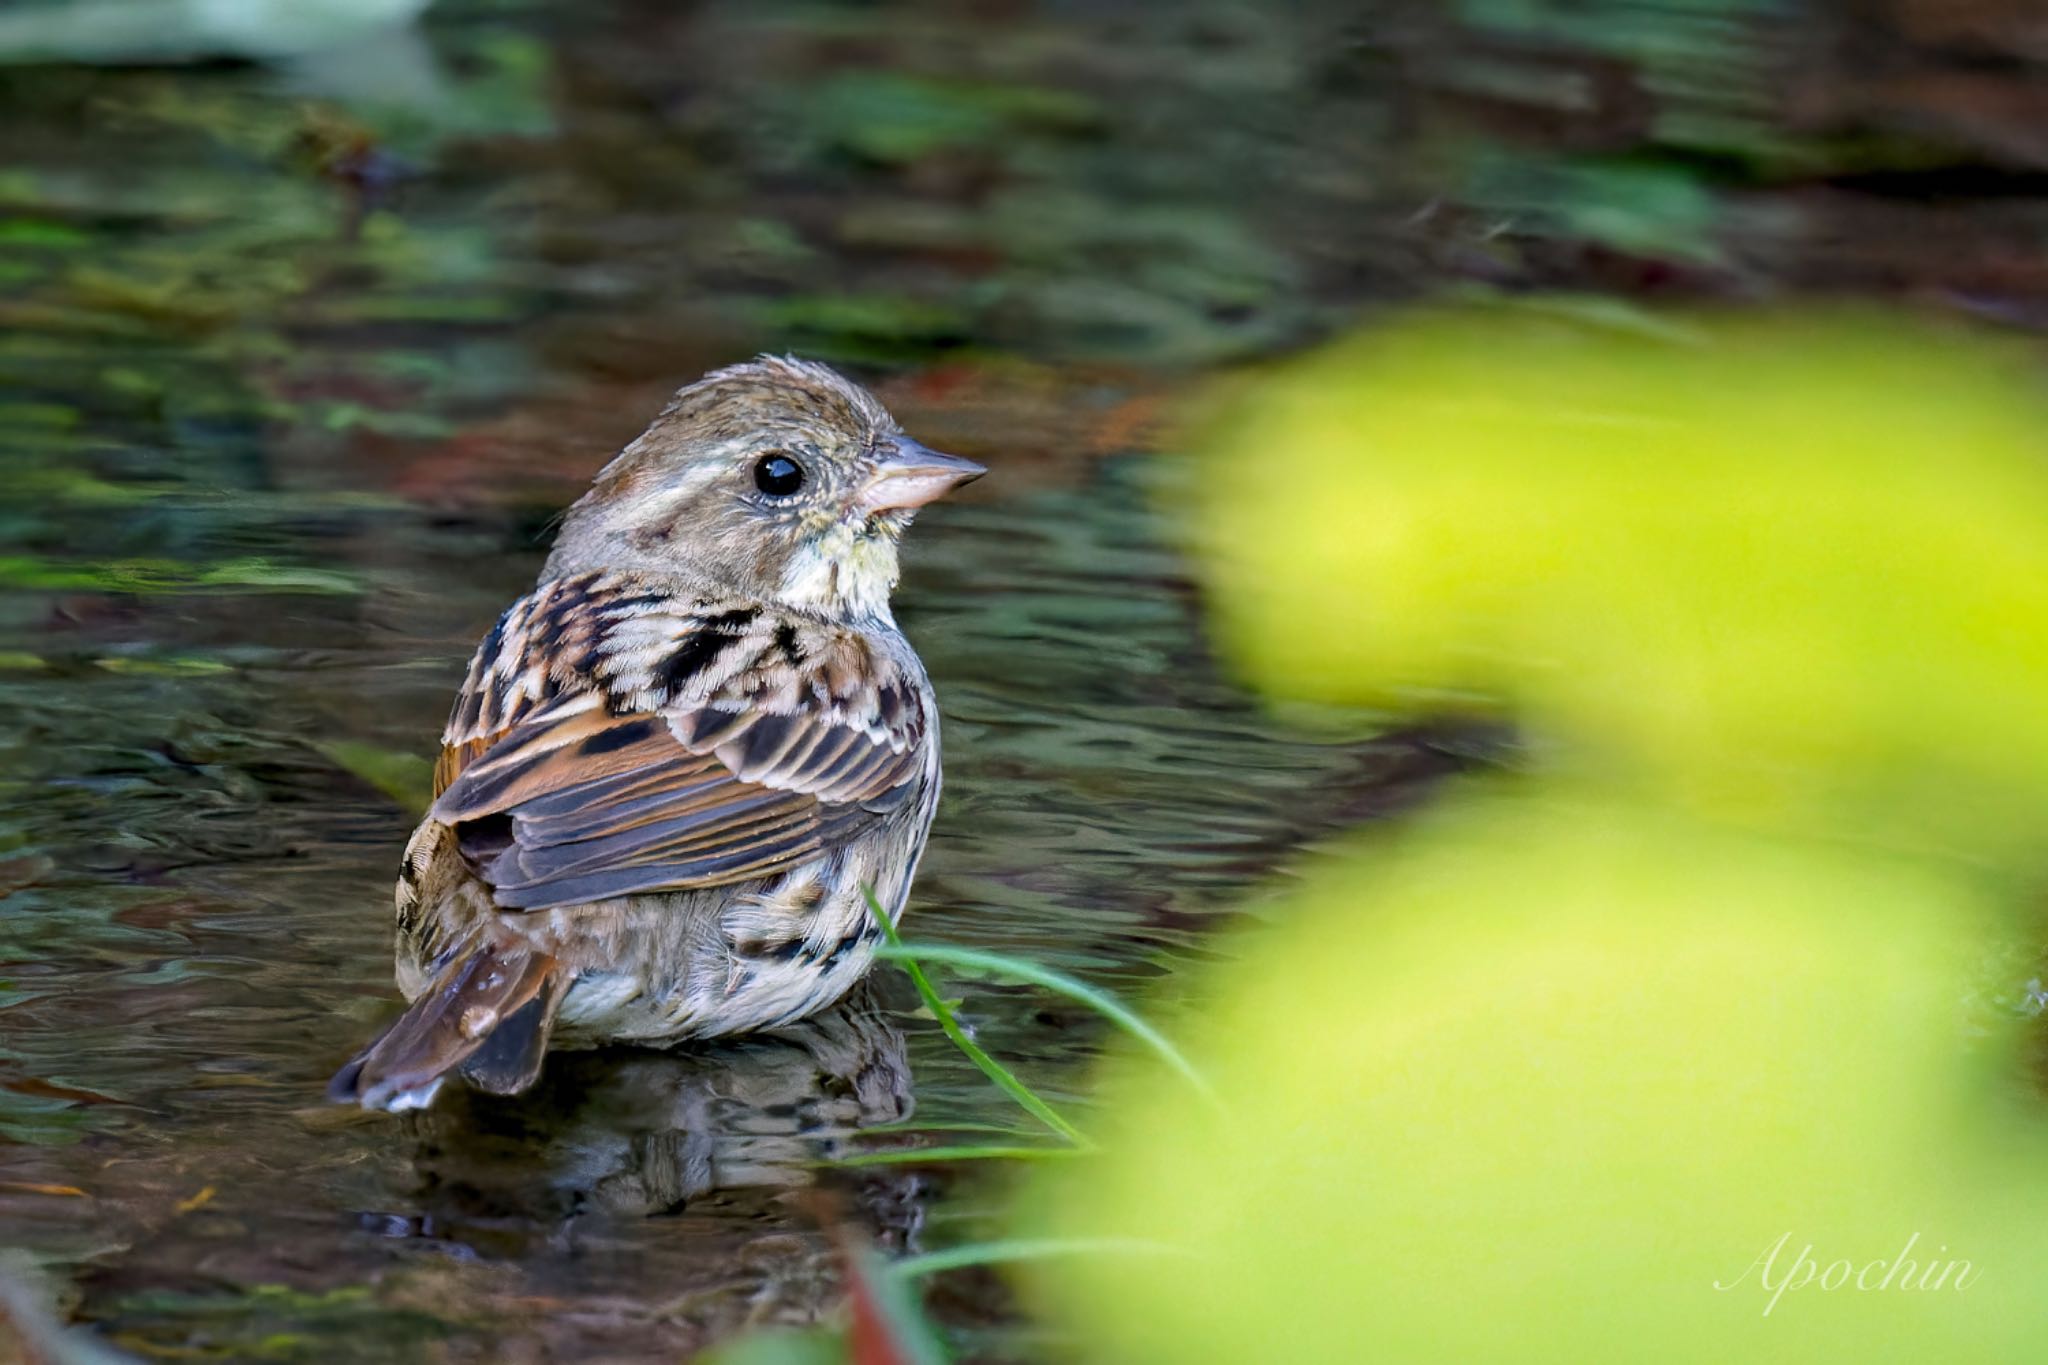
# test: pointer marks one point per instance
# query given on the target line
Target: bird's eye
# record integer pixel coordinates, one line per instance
(777, 475)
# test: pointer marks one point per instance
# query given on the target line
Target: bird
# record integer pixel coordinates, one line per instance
(678, 768)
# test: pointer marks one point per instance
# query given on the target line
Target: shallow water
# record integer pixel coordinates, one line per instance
(206, 936)
(282, 440)
(287, 396)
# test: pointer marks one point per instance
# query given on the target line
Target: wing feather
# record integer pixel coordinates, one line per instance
(612, 740)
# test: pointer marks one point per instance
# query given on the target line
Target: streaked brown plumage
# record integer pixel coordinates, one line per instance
(676, 762)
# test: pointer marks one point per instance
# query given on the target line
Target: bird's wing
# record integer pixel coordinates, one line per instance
(612, 740)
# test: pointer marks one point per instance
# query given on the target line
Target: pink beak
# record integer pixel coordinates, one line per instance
(909, 476)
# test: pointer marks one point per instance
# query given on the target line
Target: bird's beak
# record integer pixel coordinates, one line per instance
(908, 476)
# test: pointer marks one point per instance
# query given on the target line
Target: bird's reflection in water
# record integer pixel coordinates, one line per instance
(633, 1132)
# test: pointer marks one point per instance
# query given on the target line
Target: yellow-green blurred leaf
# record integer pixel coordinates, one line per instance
(1789, 570)
(1527, 1085)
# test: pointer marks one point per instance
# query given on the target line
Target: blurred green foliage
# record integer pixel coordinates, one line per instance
(1527, 1086)
(895, 119)
(1705, 68)
(1642, 207)
(406, 777)
(1782, 570)
(1618, 1059)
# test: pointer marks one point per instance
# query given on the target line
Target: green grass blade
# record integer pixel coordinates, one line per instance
(884, 1304)
(1103, 1003)
(1007, 1250)
(912, 1156)
(916, 1126)
(990, 1067)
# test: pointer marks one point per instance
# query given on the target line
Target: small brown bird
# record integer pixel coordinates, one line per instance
(677, 761)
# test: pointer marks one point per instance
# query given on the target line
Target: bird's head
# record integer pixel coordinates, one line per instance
(778, 479)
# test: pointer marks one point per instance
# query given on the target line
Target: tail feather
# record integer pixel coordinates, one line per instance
(511, 1056)
(487, 1017)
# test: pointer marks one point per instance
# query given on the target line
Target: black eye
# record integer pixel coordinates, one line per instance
(777, 475)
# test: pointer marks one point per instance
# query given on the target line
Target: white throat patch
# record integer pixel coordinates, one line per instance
(845, 572)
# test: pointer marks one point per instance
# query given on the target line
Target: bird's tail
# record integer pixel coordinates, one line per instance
(486, 1017)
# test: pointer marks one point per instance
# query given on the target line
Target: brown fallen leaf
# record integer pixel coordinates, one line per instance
(38, 1187)
(885, 1323)
(25, 871)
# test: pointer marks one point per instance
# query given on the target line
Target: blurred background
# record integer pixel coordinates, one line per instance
(312, 315)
